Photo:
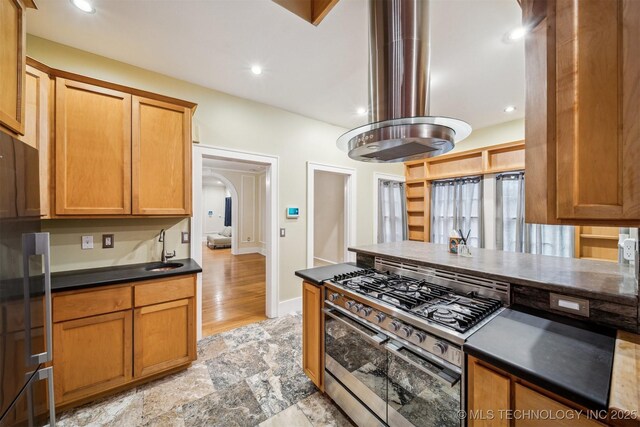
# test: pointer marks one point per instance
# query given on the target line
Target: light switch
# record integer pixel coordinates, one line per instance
(282, 232)
(87, 242)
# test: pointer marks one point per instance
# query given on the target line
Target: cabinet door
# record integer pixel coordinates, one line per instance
(313, 333)
(12, 64)
(164, 336)
(93, 150)
(161, 158)
(488, 396)
(598, 113)
(36, 127)
(528, 401)
(91, 355)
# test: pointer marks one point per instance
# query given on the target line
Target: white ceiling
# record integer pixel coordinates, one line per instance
(319, 72)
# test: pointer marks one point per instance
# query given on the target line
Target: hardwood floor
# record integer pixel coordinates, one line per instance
(233, 290)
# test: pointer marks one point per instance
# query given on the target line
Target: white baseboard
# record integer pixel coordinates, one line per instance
(263, 251)
(289, 306)
(249, 250)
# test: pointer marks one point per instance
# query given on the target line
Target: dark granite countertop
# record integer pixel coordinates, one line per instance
(600, 279)
(571, 359)
(67, 280)
(318, 275)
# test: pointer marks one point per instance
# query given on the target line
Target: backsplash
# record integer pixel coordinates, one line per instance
(135, 241)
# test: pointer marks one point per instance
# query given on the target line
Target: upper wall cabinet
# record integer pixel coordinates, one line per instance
(161, 159)
(119, 153)
(12, 64)
(582, 111)
(93, 149)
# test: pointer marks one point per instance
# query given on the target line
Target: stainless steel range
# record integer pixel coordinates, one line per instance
(393, 341)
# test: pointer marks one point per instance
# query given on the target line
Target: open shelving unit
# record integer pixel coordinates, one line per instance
(419, 174)
(596, 243)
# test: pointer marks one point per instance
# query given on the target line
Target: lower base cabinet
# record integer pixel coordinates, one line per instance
(103, 340)
(92, 355)
(313, 333)
(498, 399)
(164, 336)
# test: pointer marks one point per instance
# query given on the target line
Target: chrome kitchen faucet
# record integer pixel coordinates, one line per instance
(165, 255)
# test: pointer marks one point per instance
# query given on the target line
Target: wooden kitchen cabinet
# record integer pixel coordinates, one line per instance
(91, 355)
(13, 32)
(488, 391)
(111, 338)
(161, 158)
(38, 114)
(164, 319)
(92, 149)
(493, 394)
(313, 333)
(582, 120)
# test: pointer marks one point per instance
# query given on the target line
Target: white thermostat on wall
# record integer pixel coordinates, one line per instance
(293, 212)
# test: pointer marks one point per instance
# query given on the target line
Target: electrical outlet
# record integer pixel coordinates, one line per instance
(282, 232)
(629, 249)
(87, 242)
(107, 241)
(185, 237)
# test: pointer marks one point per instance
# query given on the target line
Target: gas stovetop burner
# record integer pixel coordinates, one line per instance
(433, 302)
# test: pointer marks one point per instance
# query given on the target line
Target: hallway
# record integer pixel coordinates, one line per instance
(233, 290)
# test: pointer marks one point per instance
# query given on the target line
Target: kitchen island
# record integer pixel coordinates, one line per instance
(541, 371)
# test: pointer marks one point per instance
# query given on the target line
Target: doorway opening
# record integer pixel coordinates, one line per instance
(331, 214)
(233, 226)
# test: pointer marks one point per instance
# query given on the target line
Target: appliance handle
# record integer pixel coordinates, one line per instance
(377, 339)
(450, 377)
(47, 374)
(38, 244)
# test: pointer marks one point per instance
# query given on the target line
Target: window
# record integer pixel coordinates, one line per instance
(392, 211)
(514, 235)
(456, 204)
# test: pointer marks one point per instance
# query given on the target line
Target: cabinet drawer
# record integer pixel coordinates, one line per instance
(91, 303)
(164, 290)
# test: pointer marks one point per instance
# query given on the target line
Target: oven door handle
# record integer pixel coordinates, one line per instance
(449, 376)
(377, 339)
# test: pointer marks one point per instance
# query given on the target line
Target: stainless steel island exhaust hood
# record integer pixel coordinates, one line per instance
(400, 127)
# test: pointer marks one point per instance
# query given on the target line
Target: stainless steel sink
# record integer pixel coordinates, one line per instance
(164, 266)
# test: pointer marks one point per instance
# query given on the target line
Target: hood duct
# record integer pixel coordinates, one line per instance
(400, 128)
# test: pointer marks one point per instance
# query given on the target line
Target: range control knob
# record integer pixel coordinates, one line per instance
(420, 336)
(395, 325)
(334, 296)
(380, 317)
(406, 331)
(439, 348)
(356, 308)
(366, 311)
(349, 304)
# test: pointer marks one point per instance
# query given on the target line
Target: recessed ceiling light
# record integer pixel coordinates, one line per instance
(256, 69)
(509, 109)
(516, 34)
(84, 6)
(361, 111)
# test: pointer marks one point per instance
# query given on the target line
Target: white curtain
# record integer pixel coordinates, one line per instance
(392, 211)
(514, 235)
(456, 204)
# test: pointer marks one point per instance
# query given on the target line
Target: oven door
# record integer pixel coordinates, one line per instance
(421, 392)
(356, 357)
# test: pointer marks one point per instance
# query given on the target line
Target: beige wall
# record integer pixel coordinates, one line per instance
(231, 122)
(493, 135)
(328, 219)
(136, 241)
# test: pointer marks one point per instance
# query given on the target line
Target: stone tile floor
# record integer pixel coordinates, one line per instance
(246, 377)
